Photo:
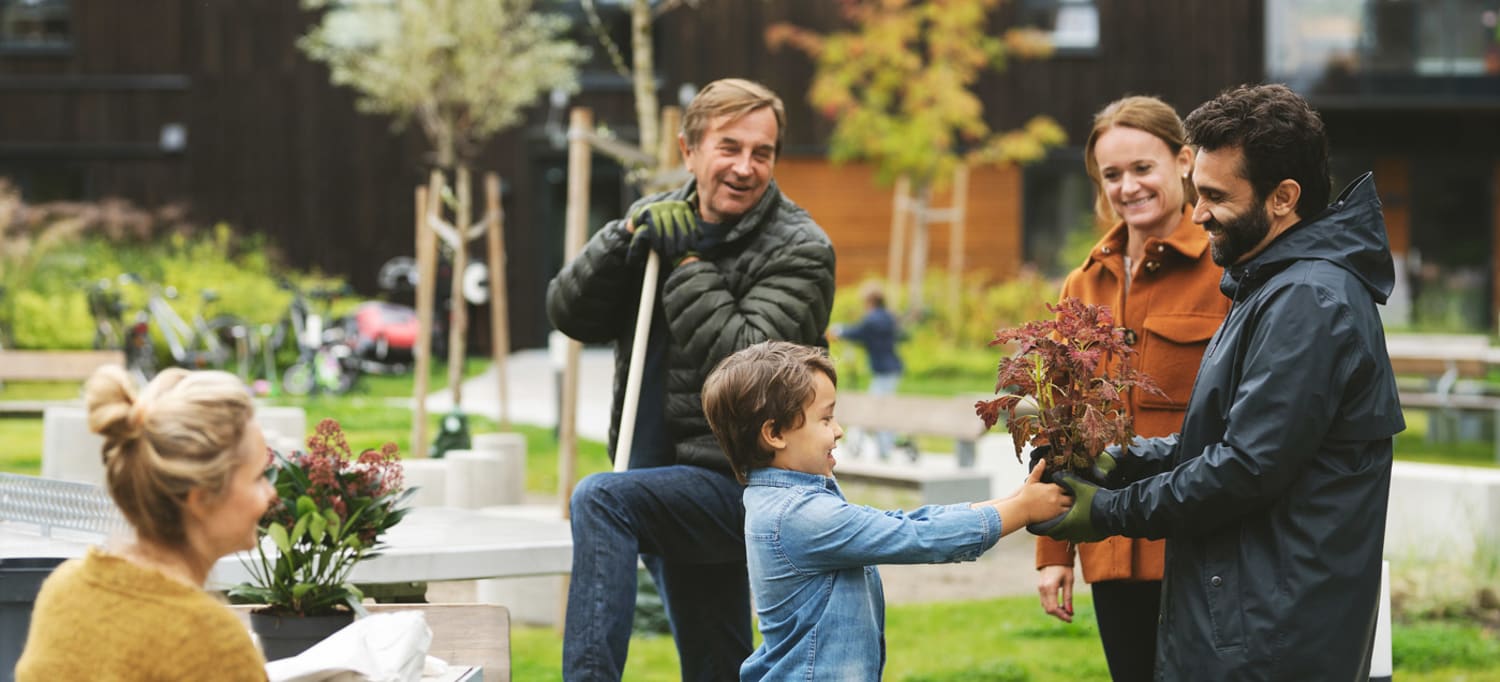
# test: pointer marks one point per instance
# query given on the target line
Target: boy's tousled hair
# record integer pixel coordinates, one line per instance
(769, 381)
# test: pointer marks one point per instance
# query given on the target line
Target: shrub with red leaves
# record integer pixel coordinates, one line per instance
(1076, 370)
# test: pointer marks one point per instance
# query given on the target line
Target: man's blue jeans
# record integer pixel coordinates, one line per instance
(688, 524)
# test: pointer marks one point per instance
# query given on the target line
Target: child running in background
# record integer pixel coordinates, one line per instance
(878, 331)
(811, 553)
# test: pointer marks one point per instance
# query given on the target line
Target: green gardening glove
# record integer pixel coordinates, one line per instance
(670, 228)
(1076, 524)
(1104, 467)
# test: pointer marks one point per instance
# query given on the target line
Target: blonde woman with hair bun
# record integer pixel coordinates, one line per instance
(185, 462)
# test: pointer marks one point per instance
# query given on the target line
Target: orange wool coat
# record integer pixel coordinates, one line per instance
(1173, 307)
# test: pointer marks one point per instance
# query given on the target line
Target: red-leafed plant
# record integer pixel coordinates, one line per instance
(1076, 369)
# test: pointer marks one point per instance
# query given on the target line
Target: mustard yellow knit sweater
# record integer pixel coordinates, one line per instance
(105, 618)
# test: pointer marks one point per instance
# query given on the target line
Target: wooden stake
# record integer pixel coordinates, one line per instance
(426, 249)
(580, 158)
(494, 223)
(959, 200)
(900, 215)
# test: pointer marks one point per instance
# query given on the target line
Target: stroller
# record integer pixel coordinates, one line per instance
(380, 336)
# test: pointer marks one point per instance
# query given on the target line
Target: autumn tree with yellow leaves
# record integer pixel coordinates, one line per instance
(899, 87)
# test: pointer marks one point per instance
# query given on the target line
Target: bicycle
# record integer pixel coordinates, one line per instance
(320, 365)
(108, 309)
(199, 344)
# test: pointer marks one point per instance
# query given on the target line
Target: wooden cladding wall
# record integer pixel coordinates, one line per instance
(856, 213)
(1185, 51)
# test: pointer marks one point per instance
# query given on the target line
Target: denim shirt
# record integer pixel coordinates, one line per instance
(811, 556)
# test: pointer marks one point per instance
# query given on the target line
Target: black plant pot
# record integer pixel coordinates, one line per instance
(287, 636)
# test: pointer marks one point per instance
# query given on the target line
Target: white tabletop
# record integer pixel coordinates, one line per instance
(430, 544)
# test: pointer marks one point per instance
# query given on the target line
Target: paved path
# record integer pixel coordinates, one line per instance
(1005, 570)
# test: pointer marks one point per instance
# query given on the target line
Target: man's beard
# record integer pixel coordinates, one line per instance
(1229, 242)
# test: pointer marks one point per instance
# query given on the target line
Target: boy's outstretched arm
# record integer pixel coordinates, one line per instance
(1034, 501)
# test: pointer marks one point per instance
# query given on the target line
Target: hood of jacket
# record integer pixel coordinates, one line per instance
(1350, 233)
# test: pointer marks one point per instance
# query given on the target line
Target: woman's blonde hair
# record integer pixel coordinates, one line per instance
(1146, 114)
(178, 434)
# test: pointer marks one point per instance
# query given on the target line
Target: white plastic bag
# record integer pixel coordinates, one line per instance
(384, 647)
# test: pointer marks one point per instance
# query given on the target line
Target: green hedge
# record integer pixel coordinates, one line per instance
(46, 303)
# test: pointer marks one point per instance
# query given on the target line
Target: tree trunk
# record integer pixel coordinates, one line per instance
(458, 308)
(442, 139)
(644, 72)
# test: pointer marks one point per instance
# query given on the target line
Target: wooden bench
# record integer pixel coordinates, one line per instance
(1433, 372)
(950, 417)
(55, 365)
(50, 365)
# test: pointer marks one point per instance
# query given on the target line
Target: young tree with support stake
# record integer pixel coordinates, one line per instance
(900, 91)
(442, 64)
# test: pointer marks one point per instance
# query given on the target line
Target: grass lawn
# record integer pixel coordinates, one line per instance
(998, 639)
(1011, 640)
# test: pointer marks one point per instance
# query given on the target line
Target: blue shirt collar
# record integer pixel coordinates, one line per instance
(786, 478)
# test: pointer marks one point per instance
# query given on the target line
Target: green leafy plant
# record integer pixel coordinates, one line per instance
(1076, 368)
(332, 509)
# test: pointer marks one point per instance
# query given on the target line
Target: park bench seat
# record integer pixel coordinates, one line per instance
(50, 365)
(949, 417)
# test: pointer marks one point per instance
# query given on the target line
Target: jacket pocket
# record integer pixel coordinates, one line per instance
(1171, 350)
(1223, 588)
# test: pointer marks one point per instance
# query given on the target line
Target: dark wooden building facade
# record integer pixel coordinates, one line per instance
(209, 103)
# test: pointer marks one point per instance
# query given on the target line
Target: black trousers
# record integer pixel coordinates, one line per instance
(1127, 616)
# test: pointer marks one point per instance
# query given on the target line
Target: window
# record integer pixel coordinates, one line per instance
(1073, 24)
(1058, 225)
(1385, 48)
(35, 25)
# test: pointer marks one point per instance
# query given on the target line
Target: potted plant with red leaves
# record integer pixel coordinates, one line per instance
(1076, 371)
(332, 507)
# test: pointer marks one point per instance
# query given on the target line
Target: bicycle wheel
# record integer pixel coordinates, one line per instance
(225, 343)
(106, 336)
(334, 375)
(299, 379)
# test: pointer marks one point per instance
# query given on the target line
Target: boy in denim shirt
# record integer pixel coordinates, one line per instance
(811, 553)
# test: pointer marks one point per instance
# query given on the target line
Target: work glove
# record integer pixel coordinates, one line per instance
(1103, 470)
(1076, 524)
(670, 228)
(1099, 474)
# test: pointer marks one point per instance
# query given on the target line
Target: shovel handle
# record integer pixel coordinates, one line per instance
(637, 362)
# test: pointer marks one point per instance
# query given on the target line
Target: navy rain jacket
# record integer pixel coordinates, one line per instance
(1273, 495)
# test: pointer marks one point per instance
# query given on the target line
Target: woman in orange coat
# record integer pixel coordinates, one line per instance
(1154, 271)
